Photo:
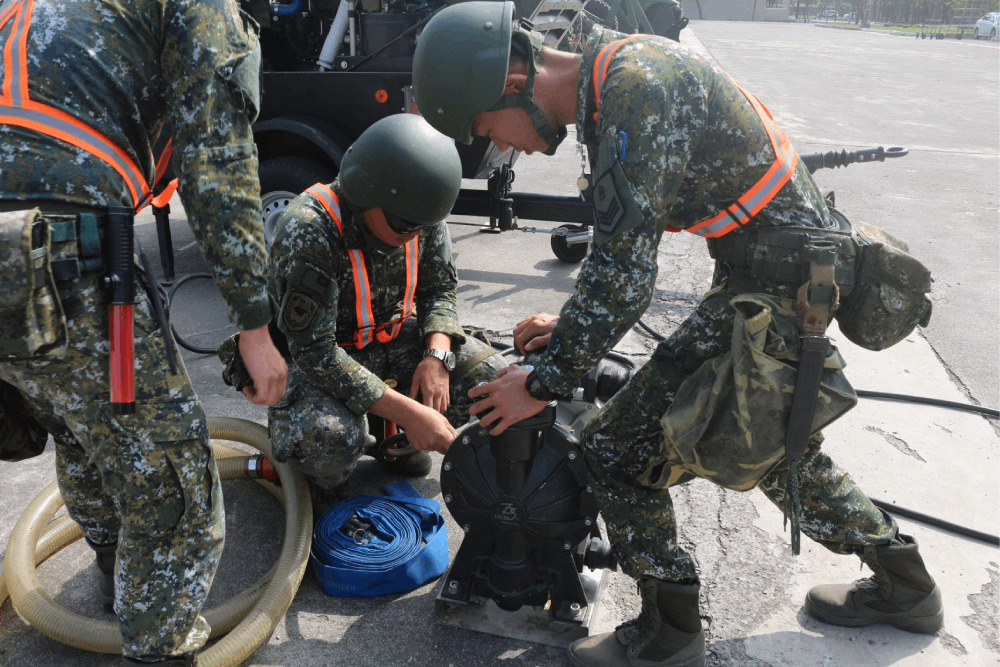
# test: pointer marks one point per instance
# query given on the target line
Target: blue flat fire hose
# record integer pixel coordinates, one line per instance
(368, 546)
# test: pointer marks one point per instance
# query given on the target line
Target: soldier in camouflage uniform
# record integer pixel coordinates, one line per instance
(672, 142)
(363, 273)
(87, 87)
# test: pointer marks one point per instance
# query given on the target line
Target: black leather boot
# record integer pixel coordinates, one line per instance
(179, 661)
(901, 592)
(106, 556)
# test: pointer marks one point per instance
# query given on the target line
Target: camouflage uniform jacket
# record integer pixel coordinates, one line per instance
(124, 68)
(308, 251)
(692, 146)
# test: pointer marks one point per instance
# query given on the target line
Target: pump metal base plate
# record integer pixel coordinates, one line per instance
(527, 623)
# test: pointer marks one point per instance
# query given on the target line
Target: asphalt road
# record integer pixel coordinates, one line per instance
(832, 89)
(828, 89)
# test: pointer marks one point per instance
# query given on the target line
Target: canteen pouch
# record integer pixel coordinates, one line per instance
(889, 298)
(728, 420)
(32, 322)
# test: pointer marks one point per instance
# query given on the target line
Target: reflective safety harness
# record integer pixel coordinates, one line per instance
(18, 109)
(753, 200)
(368, 330)
(368, 546)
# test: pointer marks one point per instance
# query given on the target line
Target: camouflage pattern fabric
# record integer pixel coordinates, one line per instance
(147, 480)
(673, 142)
(312, 281)
(324, 438)
(124, 67)
(694, 145)
(631, 467)
(320, 422)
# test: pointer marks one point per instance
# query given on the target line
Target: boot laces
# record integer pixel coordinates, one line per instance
(649, 618)
(876, 586)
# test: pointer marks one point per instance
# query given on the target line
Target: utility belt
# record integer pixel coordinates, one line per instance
(76, 244)
(38, 251)
(881, 290)
(753, 257)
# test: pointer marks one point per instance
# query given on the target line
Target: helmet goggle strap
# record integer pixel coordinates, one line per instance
(550, 135)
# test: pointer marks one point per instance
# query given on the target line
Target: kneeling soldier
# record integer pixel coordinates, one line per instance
(363, 275)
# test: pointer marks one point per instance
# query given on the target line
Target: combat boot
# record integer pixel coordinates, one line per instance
(106, 564)
(901, 593)
(323, 499)
(667, 632)
(415, 464)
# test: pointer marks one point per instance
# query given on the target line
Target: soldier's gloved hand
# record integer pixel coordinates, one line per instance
(266, 366)
(533, 333)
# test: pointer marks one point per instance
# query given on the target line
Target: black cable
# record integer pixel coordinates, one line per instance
(939, 523)
(989, 412)
(865, 393)
(887, 506)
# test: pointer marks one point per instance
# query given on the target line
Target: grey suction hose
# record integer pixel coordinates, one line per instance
(28, 546)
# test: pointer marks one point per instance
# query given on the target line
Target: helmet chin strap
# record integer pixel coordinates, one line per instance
(550, 135)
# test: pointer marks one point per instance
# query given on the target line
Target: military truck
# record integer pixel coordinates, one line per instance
(334, 67)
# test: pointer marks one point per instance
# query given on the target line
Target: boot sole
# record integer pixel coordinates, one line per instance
(698, 661)
(925, 625)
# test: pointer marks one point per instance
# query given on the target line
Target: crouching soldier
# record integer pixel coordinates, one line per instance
(362, 272)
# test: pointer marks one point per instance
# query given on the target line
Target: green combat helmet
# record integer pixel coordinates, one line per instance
(460, 68)
(403, 166)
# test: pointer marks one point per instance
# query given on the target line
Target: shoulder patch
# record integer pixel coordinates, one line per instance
(299, 311)
(607, 204)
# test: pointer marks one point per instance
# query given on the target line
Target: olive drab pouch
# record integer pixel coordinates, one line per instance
(21, 436)
(890, 296)
(728, 420)
(32, 322)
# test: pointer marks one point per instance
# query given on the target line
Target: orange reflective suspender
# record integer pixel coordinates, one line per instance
(763, 191)
(367, 329)
(17, 108)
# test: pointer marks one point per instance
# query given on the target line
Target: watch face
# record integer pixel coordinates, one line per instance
(446, 357)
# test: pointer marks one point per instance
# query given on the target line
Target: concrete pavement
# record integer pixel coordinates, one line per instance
(940, 462)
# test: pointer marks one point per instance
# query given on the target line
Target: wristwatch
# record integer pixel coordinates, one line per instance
(446, 356)
(536, 389)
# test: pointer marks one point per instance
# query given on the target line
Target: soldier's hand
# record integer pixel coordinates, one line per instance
(505, 400)
(431, 383)
(534, 332)
(428, 429)
(266, 366)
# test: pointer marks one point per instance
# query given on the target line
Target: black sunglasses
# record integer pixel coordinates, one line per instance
(399, 225)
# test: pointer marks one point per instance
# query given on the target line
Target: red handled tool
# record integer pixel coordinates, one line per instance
(120, 284)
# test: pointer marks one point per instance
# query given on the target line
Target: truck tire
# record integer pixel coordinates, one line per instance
(571, 254)
(284, 178)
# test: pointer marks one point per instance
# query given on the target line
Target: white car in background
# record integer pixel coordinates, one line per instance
(988, 26)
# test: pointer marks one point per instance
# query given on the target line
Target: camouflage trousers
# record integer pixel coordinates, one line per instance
(625, 440)
(321, 436)
(147, 480)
